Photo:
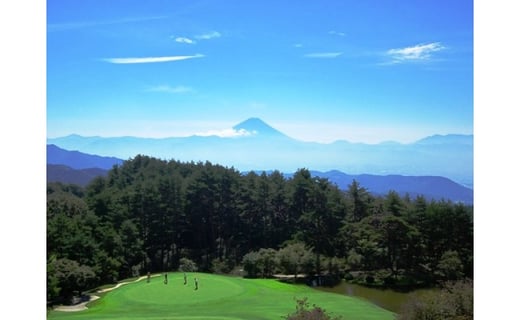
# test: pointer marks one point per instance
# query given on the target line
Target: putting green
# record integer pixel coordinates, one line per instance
(218, 297)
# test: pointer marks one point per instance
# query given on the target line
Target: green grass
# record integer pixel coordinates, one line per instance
(218, 298)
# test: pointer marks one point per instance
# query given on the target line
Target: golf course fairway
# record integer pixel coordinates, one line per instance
(217, 297)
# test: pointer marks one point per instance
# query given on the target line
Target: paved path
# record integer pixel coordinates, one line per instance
(83, 305)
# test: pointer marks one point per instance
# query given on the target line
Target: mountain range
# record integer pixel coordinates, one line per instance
(438, 167)
(431, 187)
(80, 168)
(79, 160)
(65, 174)
(258, 146)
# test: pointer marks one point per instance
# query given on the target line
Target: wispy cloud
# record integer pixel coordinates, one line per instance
(200, 37)
(298, 45)
(420, 52)
(209, 35)
(85, 24)
(150, 59)
(227, 133)
(185, 40)
(169, 89)
(337, 33)
(323, 55)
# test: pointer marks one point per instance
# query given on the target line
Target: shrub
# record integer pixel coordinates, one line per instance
(268, 261)
(220, 266)
(453, 302)
(450, 266)
(354, 259)
(67, 278)
(251, 262)
(303, 312)
(187, 265)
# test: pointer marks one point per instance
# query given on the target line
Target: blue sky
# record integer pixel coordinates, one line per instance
(33, 92)
(362, 71)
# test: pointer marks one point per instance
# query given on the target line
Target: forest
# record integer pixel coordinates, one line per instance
(153, 215)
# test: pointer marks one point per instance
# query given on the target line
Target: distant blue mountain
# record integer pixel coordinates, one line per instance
(79, 160)
(431, 187)
(79, 168)
(447, 139)
(449, 156)
(66, 174)
(257, 127)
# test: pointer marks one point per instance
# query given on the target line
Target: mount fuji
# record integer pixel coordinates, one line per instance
(257, 127)
(262, 147)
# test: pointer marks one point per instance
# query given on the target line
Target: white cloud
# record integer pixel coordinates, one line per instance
(227, 133)
(150, 59)
(210, 35)
(185, 40)
(86, 24)
(205, 36)
(336, 33)
(298, 45)
(415, 53)
(323, 55)
(169, 89)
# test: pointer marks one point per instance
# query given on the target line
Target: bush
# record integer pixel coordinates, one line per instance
(251, 262)
(354, 259)
(187, 265)
(335, 265)
(220, 266)
(303, 312)
(453, 302)
(450, 267)
(268, 262)
(67, 278)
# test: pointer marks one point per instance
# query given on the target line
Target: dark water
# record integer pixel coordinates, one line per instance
(385, 298)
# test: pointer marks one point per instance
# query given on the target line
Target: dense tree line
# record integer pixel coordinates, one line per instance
(148, 214)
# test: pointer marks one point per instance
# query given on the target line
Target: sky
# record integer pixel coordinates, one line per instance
(29, 114)
(361, 71)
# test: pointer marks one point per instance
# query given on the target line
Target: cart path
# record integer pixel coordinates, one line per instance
(83, 305)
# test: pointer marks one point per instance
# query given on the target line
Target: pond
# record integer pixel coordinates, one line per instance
(385, 298)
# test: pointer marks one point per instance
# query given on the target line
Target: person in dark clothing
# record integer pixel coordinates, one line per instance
(166, 278)
(196, 284)
(185, 279)
(148, 277)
